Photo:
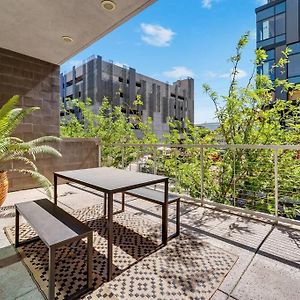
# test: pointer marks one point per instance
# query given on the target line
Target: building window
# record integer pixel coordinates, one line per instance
(294, 63)
(264, 14)
(280, 24)
(78, 79)
(120, 79)
(267, 67)
(265, 29)
(271, 25)
(280, 8)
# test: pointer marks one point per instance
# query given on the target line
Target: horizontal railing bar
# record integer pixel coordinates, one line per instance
(206, 146)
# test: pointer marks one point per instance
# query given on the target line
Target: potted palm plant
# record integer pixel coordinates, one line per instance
(13, 149)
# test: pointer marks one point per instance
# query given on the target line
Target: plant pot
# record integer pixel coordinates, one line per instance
(3, 186)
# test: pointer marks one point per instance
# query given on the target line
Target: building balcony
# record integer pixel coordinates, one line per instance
(229, 248)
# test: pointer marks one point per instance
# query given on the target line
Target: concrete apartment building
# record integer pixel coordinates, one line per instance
(97, 78)
(278, 27)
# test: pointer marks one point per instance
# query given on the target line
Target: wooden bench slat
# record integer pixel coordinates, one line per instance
(51, 223)
(152, 195)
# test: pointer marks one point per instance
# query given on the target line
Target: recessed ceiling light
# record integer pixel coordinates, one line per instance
(108, 5)
(67, 39)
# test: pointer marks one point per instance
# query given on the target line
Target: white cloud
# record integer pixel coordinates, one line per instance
(179, 72)
(206, 3)
(156, 35)
(240, 74)
(261, 2)
(209, 3)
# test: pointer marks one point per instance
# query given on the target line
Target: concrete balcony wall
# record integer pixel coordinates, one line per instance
(37, 83)
(76, 154)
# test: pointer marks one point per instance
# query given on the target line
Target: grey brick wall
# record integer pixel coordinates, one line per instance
(37, 83)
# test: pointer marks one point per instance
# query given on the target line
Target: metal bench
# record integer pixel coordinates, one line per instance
(55, 227)
(156, 197)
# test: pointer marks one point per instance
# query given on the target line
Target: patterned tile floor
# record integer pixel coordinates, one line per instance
(265, 259)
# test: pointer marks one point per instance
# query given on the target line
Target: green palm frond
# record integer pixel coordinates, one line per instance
(9, 123)
(8, 106)
(39, 178)
(13, 149)
(45, 139)
(44, 149)
(25, 160)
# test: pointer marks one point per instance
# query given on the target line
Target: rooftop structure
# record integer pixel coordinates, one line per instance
(97, 79)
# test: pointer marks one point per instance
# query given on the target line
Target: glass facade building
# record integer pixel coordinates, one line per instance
(278, 27)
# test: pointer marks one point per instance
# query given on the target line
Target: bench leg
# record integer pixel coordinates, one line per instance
(105, 204)
(110, 237)
(17, 229)
(165, 215)
(90, 260)
(51, 288)
(177, 217)
(123, 202)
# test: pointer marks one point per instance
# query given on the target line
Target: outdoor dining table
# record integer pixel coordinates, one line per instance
(111, 181)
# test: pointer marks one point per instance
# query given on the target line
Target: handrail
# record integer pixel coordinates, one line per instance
(274, 152)
(218, 146)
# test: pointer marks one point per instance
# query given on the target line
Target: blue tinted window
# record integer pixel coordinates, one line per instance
(280, 24)
(265, 43)
(267, 69)
(294, 65)
(295, 48)
(280, 38)
(264, 14)
(280, 8)
(271, 54)
(265, 29)
(294, 79)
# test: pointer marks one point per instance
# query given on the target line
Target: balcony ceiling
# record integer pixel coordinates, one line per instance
(36, 27)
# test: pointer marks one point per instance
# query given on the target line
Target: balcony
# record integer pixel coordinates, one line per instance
(230, 248)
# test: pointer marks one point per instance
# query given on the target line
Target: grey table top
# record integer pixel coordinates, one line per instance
(111, 179)
(51, 223)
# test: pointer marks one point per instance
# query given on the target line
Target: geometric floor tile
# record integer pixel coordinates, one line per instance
(184, 269)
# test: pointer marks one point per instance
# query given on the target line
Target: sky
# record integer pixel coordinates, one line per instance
(174, 39)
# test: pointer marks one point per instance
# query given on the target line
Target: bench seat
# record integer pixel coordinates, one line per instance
(152, 195)
(156, 197)
(55, 227)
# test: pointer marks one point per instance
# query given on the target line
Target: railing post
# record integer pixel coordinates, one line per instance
(234, 183)
(155, 160)
(123, 157)
(202, 174)
(276, 181)
(99, 155)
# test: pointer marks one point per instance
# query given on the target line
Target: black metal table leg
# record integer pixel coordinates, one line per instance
(90, 260)
(165, 214)
(123, 202)
(105, 205)
(17, 228)
(177, 217)
(110, 237)
(51, 291)
(55, 189)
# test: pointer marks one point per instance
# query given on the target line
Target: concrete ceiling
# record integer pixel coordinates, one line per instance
(36, 27)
